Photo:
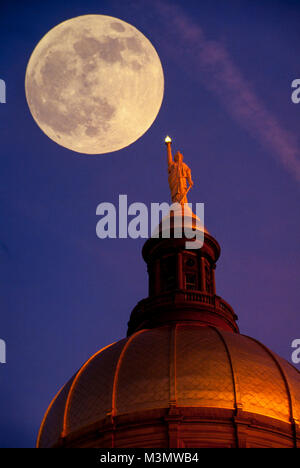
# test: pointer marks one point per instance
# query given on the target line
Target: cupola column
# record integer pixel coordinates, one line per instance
(180, 279)
(202, 275)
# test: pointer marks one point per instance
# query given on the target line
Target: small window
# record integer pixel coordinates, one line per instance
(169, 272)
(190, 281)
(191, 272)
(190, 262)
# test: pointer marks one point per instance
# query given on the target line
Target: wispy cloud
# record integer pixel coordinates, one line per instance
(211, 62)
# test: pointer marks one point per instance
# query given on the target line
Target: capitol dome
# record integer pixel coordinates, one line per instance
(218, 387)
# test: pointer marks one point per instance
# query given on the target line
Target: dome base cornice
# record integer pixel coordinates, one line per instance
(180, 427)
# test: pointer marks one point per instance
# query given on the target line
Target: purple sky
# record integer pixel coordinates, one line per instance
(65, 293)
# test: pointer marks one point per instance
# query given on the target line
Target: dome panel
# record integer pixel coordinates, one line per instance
(91, 394)
(293, 377)
(143, 380)
(52, 425)
(259, 380)
(203, 371)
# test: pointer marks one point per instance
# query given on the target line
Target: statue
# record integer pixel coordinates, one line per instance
(179, 173)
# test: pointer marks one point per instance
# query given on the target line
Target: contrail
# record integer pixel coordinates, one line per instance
(211, 62)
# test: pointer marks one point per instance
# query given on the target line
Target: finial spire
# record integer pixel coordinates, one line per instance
(179, 173)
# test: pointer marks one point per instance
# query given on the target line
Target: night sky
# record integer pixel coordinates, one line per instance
(228, 69)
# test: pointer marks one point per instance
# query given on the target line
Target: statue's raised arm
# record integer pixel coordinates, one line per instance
(168, 142)
(179, 173)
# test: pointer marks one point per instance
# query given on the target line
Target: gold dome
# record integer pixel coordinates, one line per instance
(180, 365)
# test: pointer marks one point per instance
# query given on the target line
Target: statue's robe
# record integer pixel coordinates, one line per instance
(178, 173)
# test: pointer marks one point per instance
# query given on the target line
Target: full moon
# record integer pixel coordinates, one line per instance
(94, 84)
